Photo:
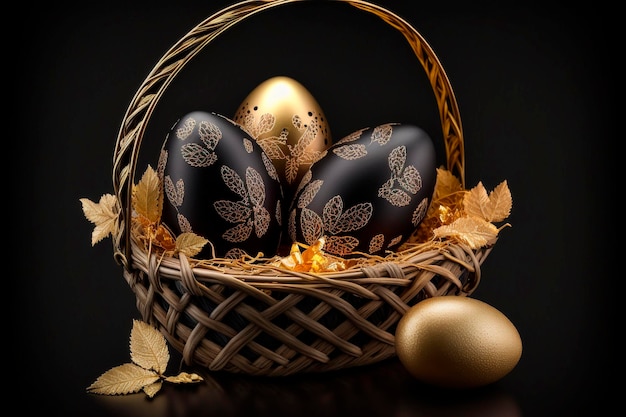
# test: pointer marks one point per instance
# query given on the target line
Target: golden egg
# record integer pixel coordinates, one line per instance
(457, 342)
(289, 125)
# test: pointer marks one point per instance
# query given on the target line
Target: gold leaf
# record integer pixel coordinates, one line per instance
(446, 184)
(501, 202)
(494, 207)
(147, 196)
(473, 231)
(123, 379)
(190, 244)
(148, 347)
(103, 215)
(475, 201)
(152, 389)
(184, 378)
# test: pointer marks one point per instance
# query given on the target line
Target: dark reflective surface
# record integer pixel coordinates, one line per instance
(536, 89)
(380, 390)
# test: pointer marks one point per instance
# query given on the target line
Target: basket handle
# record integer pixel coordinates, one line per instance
(147, 96)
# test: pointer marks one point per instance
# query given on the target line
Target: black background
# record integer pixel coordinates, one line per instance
(536, 87)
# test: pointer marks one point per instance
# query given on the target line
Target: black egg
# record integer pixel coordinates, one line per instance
(368, 192)
(219, 184)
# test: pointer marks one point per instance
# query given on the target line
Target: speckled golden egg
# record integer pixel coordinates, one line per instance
(289, 125)
(457, 342)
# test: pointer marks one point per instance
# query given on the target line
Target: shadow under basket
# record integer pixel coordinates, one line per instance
(262, 320)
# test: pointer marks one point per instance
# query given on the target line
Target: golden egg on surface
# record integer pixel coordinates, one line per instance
(457, 342)
(289, 125)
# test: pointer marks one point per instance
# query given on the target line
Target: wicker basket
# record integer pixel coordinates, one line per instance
(267, 321)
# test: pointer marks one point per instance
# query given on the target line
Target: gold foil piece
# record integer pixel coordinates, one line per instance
(312, 259)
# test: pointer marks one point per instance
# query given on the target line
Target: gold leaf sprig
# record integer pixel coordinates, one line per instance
(466, 216)
(147, 203)
(493, 207)
(480, 210)
(149, 356)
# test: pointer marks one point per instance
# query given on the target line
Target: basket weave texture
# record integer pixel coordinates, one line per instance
(262, 320)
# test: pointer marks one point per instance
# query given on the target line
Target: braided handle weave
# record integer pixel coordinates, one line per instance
(147, 96)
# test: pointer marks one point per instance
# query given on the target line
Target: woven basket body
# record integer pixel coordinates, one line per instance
(261, 320)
